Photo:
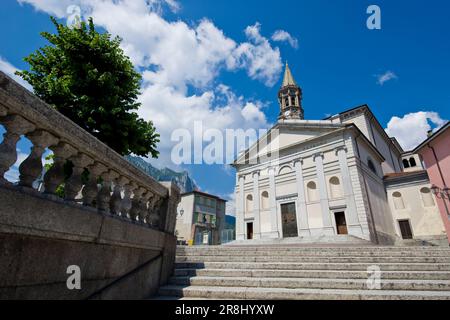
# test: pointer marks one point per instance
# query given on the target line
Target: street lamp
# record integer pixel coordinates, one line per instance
(441, 193)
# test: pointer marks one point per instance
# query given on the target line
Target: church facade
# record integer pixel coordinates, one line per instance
(337, 176)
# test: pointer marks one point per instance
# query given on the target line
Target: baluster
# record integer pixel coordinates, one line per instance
(55, 175)
(75, 183)
(116, 198)
(31, 168)
(104, 196)
(151, 205)
(126, 202)
(15, 126)
(143, 212)
(154, 215)
(136, 206)
(90, 190)
(148, 210)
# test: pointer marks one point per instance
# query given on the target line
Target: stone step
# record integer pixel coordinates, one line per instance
(310, 248)
(361, 259)
(314, 246)
(325, 253)
(316, 239)
(331, 274)
(314, 266)
(314, 283)
(297, 294)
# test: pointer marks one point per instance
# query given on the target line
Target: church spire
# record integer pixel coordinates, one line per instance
(290, 97)
(288, 79)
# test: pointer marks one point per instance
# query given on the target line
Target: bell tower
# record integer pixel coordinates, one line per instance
(290, 97)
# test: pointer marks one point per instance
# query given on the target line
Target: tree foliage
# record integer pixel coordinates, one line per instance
(86, 76)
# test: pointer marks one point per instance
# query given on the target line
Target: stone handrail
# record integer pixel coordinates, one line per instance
(125, 190)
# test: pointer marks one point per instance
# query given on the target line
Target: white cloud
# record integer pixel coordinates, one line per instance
(58, 8)
(282, 36)
(175, 56)
(181, 54)
(385, 77)
(412, 128)
(53, 7)
(10, 70)
(259, 58)
(157, 5)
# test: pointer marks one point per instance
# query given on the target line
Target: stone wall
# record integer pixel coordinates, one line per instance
(119, 232)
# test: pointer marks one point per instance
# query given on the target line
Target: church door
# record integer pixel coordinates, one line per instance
(289, 219)
(341, 224)
(405, 229)
(249, 230)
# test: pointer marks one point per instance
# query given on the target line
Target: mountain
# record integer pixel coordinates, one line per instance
(181, 179)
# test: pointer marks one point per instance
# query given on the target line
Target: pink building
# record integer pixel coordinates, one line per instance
(435, 152)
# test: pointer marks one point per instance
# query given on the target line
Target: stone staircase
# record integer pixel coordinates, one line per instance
(309, 272)
(311, 240)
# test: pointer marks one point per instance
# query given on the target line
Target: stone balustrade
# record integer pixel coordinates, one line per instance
(114, 186)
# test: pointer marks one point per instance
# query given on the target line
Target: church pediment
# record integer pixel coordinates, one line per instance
(286, 134)
(294, 132)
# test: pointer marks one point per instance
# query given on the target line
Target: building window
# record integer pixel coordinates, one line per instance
(398, 201)
(265, 200)
(427, 197)
(335, 188)
(249, 203)
(412, 162)
(405, 163)
(312, 191)
(371, 166)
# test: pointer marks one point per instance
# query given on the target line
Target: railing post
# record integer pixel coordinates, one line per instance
(31, 168)
(170, 208)
(15, 127)
(55, 175)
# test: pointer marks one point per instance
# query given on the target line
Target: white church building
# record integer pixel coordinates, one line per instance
(342, 175)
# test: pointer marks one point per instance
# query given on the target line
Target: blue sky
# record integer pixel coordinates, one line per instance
(337, 63)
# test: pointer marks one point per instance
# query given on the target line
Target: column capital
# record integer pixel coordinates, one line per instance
(256, 173)
(341, 148)
(272, 170)
(318, 154)
(298, 161)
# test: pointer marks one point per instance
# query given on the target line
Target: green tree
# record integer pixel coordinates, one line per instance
(86, 76)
